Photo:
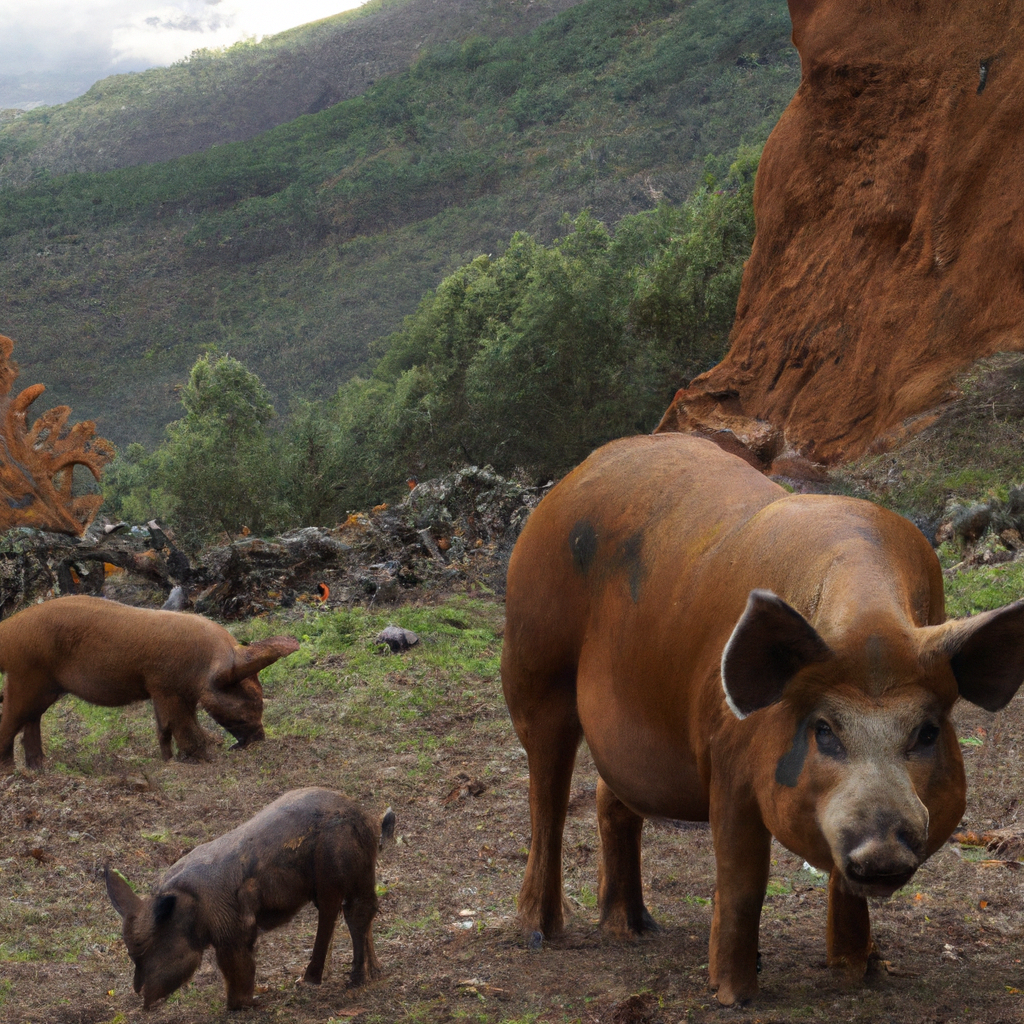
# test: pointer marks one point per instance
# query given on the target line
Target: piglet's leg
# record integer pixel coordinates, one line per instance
(849, 929)
(620, 894)
(180, 717)
(359, 913)
(24, 702)
(238, 965)
(742, 859)
(163, 733)
(328, 911)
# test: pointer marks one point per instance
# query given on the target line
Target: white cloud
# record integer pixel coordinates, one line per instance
(47, 36)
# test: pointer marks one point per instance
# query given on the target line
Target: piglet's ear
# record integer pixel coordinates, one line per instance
(120, 892)
(257, 656)
(387, 828)
(986, 654)
(163, 909)
(770, 644)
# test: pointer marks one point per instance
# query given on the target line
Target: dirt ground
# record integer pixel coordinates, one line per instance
(952, 941)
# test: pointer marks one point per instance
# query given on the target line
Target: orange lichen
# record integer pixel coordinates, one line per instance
(37, 463)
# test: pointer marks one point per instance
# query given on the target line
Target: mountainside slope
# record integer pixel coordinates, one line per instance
(215, 97)
(297, 249)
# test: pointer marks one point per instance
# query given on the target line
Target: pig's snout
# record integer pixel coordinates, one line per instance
(882, 859)
(881, 867)
(245, 738)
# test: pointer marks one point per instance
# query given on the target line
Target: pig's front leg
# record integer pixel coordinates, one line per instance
(849, 930)
(742, 858)
(238, 965)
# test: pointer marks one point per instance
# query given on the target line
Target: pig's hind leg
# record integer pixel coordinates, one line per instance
(359, 914)
(32, 740)
(328, 909)
(620, 894)
(24, 703)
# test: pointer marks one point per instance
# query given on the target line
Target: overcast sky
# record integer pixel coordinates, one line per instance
(59, 48)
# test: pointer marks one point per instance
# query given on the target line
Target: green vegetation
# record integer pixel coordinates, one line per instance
(295, 250)
(983, 588)
(972, 454)
(209, 474)
(525, 362)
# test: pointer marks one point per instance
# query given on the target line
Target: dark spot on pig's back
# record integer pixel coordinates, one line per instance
(629, 557)
(791, 764)
(583, 545)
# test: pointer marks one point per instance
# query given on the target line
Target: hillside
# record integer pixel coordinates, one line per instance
(214, 97)
(295, 250)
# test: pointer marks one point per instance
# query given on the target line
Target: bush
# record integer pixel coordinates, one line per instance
(218, 470)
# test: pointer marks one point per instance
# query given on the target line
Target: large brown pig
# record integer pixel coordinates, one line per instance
(308, 845)
(112, 654)
(775, 663)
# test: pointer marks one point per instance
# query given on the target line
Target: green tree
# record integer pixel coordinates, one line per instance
(531, 359)
(131, 491)
(218, 469)
(686, 283)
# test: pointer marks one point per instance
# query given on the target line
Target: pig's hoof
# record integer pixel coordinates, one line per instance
(727, 996)
(621, 923)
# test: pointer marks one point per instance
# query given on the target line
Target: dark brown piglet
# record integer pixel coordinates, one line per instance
(308, 845)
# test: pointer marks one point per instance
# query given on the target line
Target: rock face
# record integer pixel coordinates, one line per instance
(890, 228)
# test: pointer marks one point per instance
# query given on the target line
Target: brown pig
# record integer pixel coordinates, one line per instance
(777, 664)
(308, 845)
(112, 654)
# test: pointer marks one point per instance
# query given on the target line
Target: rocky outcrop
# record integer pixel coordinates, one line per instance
(452, 534)
(890, 228)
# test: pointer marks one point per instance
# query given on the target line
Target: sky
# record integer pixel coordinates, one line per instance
(54, 50)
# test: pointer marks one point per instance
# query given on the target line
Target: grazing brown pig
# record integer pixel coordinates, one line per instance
(308, 845)
(775, 663)
(111, 654)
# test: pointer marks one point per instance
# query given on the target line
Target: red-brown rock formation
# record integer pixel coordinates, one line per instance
(890, 227)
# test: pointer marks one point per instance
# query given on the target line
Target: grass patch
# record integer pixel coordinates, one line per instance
(970, 454)
(586, 897)
(984, 588)
(341, 675)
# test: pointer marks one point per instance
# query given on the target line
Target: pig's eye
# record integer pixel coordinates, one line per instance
(927, 737)
(828, 742)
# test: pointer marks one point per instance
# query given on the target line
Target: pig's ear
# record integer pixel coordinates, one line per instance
(257, 656)
(387, 828)
(770, 644)
(120, 892)
(986, 654)
(163, 909)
